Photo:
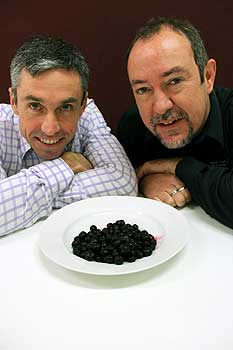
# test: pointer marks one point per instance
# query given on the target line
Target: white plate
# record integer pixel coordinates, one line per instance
(160, 220)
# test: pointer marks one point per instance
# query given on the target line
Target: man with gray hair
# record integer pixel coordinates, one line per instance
(178, 135)
(55, 147)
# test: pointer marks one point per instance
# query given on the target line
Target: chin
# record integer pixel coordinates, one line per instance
(176, 141)
(173, 144)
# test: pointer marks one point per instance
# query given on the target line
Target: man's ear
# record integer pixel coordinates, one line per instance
(12, 100)
(209, 75)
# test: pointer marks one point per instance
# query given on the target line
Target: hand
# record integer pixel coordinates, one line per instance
(76, 161)
(167, 166)
(161, 186)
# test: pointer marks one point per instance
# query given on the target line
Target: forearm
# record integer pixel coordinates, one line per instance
(28, 195)
(109, 180)
(210, 186)
(158, 166)
(113, 168)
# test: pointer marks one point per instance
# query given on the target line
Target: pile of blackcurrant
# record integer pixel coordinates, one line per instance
(116, 243)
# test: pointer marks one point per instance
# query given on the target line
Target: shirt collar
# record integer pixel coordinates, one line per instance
(24, 146)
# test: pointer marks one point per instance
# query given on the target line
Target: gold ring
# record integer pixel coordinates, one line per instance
(176, 191)
(181, 189)
(173, 192)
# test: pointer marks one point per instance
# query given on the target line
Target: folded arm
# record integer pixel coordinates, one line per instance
(28, 195)
(211, 186)
(158, 181)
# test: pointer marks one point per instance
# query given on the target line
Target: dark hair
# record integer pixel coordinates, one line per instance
(42, 53)
(155, 25)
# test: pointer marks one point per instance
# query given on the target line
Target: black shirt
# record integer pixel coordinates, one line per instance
(207, 165)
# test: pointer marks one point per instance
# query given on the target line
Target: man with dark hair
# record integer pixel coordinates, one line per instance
(179, 134)
(55, 147)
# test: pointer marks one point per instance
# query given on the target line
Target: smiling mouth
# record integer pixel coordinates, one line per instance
(170, 121)
(165, 120)
(49, 142)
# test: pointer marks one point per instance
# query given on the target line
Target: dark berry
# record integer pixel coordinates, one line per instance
(118, 260)
(89, 255)
(147, 252)
(114, 244)
(131, 259)
(108, 259)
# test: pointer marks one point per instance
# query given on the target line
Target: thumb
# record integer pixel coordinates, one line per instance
(139, 172)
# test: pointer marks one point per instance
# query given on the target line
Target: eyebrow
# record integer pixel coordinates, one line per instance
(137, 81)
(70, 100)
(33, 98)
(173, 70)
(38, 99)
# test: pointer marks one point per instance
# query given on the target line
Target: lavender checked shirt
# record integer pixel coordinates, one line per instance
(30, 187)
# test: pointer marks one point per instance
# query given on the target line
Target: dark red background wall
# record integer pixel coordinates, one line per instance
(103, 30)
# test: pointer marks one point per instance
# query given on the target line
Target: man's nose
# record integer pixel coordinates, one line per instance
(162, 103)
(50, 125)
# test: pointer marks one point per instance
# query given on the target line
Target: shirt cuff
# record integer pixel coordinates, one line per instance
(56, 174)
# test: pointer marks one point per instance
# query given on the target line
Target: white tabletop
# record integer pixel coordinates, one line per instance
(185, 303)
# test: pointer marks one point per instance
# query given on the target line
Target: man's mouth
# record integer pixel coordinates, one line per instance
(169, 121)
(49, 142)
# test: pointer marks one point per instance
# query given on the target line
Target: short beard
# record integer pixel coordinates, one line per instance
(173, 144)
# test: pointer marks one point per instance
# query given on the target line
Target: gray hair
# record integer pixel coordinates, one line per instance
(155, 25)
(42, 53)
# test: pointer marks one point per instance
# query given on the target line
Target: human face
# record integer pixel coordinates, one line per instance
(48, 107)
(172, 101)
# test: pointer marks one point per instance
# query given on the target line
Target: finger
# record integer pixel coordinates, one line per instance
(181, 198)
(157, 199)
(165, 197)
(187, 196)
(139, 173)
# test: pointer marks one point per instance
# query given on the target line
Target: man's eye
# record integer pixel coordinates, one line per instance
(142, 90)
(66, 108)
(174, 81)
(35, 106)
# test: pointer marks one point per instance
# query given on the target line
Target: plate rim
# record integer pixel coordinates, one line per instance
(118, 270)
